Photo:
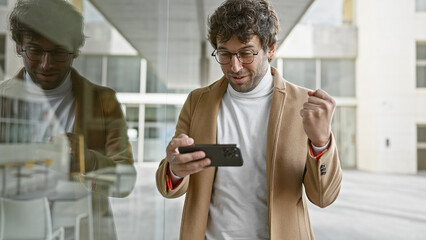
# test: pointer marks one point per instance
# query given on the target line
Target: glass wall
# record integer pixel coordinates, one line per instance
(160, 123)
(2, 55)
(336, 77)
(300, 72)
(152, 76)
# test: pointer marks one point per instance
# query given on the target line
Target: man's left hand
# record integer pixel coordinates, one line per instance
(317, 114)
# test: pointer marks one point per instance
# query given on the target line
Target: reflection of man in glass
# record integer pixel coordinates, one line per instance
(48, 35)
(283, 131)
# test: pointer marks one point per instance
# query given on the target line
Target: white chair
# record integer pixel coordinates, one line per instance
(27, 219)
(70, 213)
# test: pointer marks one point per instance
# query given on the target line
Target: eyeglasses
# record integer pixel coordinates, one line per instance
(36, 54)
(244, 56)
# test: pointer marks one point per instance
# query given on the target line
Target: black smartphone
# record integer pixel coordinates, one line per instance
(221, 155)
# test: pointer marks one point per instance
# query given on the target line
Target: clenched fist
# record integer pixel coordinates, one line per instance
(317, 114)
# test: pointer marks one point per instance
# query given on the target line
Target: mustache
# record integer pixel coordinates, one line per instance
(237, 74)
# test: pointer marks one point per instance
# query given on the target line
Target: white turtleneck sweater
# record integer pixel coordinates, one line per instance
(238, 207)
(61, 100)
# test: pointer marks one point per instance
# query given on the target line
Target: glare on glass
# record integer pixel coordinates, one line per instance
(244, 56)
(36, 54)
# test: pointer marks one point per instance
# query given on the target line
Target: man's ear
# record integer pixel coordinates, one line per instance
(271, 51)
(75, 54)
(18, 49)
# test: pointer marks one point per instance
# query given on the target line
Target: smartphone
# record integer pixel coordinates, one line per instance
(221, 155)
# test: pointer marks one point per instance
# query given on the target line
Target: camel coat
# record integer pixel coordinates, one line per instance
(292, 173)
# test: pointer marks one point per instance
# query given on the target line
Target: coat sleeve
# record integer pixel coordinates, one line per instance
(116, 149)
(323, 176)
(117, 146)
(182, 127)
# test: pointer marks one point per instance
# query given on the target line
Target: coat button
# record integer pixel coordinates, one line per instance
(323, 169)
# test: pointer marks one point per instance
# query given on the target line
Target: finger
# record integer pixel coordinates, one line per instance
(308, 105)
(181, 140)
(191, 167)
(322, 94)
(187, 157)
(307, 113)
(316, 100)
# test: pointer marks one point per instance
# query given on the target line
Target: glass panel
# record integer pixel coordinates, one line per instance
(420, 5)
(90, 67)
(344, 130)
(421, 159)
(2, 56)
(1, 69)
(338, 77)
(155, 84)
(421, 76)
(160, 123)
(421, 51)
(132, 119)
(421, 134)
(2, 45)
(300, 72)
(123, 73)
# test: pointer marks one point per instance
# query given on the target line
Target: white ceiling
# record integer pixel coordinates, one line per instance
(171, 34)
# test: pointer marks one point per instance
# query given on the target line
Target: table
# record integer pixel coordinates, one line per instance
(18, 164)
(53, 196)
(17, 155)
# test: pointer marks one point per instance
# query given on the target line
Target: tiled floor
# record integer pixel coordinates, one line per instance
(374, 206)
(370, 206)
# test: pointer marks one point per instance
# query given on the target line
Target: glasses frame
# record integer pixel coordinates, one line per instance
(214, 54)
(46, 52)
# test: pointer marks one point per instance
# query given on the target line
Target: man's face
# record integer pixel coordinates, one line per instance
(245, 77)
(46, 72)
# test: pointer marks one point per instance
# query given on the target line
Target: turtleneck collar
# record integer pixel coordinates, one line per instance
(64, 88)
(264, 88)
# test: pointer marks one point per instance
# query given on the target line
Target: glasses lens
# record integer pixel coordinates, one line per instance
(245, 56)
(223, 57)
(36, 54)
(59, 55)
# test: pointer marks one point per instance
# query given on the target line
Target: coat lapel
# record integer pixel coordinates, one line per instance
(203, 126)
(274, 125)
(203, 130)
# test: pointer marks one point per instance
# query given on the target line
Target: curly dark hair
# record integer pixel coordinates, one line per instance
(56, 20)
(243, 18)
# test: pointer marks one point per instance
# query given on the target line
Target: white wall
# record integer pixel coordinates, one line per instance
(388, 101)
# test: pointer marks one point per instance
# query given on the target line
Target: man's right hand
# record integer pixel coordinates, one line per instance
(187, 163)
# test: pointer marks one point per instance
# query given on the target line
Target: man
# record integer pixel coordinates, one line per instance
(48, 35)
(283, 131)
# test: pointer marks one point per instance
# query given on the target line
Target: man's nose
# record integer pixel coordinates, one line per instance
(236, 64)
(46, 60)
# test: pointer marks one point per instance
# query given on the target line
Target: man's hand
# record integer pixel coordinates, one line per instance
(317, 114)
(74, 141)
(188, 163)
